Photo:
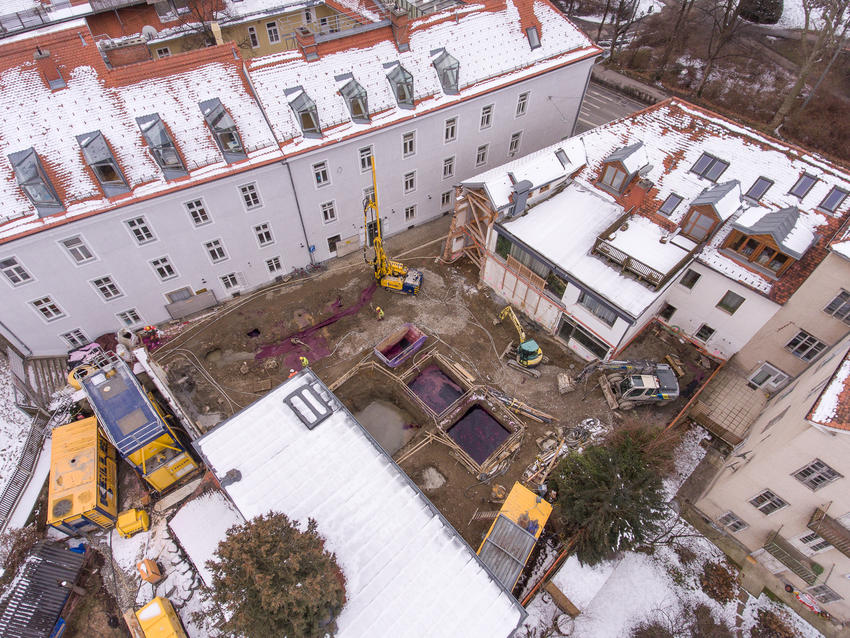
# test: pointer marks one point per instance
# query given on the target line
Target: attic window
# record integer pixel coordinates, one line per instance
(100, 159)
(447, 70)
(34, 182)
(833, 200)
(402, 83)
(308, 116)
(562, 157)
(533, 37)
(356, 100)
(803, 185)
(613, 178)
(758, 189)
(670, 204)
(224, 130)
(709, 167)
(162, 146)
(757, 251)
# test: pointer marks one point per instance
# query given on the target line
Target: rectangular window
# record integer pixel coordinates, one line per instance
(264, 234)
(521, 104)
(767, 502)
(365, 159)
(141, 231)
(571, 330)
(667, 311)
(409, 213)
(758, 189)
(513, 146)
(451, 130)
(332, 242)
(486, 117)
(448, 167)
(805, 346)
(274, 265)
(732, 522)
(216, 251)
(48, 308)
(78, 250)
(824, 594)
(533, 37)
(163, 52)
(321, 175)
(767, 377)
(14, 271)
(445, 199)
(107, 288)
(481, 155)
(601, 310)
(129, 317)
(75, 338)
(840, 307)
(274, 34)
(816, 474)
(614, 177)
(709, 167)
(833, 200)
(410, 182)
(163, 268)
(690, 279)
(253, 38)
(198, 212)
(328, 212)
(230, 281)
(814, 543)
(250, 196)
(730, 302)
(408, 144)
(803, 185)
(670, 204)
(704, 333)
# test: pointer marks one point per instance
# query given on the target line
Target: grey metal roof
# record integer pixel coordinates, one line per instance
(778, 224)
(622, 153)
(30, 606)
(714, 194)
(506, 549)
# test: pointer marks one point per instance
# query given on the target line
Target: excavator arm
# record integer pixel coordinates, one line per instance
(509, 312)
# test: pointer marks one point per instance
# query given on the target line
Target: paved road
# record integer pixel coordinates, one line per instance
(602, 105)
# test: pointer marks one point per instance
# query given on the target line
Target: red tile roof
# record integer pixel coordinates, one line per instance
(832, 408)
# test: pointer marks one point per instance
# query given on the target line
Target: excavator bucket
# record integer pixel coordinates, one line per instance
(610, 399)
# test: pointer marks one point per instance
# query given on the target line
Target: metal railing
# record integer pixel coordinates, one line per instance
(28, 18)
(789, 556)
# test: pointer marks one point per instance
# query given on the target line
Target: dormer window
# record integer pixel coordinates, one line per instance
(533, 36)
(402, 83)
(709, 167)
(803, 185)
(224, 130)
(99, 158)
(833, 200)
(699, 223)
(447, 70)
(613, 177)
(356, 100)
(308, 116)
(162, 146)
(758, 189)
(758, 250)
(34, 182)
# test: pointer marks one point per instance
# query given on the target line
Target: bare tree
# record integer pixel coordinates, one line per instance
(604, 18)
(675, 38)
(196, 17)
(725, 21)
(824, 33)
(625, 17)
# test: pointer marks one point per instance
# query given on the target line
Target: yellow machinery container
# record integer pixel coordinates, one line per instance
(159, 620)
(82, 493)
(132, 521)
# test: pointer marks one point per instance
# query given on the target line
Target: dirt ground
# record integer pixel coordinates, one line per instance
(95, 615)
(223, 363)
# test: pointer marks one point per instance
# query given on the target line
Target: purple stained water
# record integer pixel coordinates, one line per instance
(435, 388)
(397, 348)
(478, 433)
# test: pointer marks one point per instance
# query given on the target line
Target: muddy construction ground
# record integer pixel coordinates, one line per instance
(221, 363)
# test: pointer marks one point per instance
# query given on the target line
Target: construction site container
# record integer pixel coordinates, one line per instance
(82, 494)
(135, 423)
(159, 620)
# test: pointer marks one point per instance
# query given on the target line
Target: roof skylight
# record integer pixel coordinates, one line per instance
(224, 130)
(162, 146)
(402, 83)
(447, 70)
(34, 182)
(99, 158)
(308, 116)
(356, 100)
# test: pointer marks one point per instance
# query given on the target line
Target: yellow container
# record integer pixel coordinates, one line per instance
(82, 493)
(159, 620)
(132, 521)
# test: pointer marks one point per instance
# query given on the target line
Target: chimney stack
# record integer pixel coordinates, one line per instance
(400, 22)
(306, 40)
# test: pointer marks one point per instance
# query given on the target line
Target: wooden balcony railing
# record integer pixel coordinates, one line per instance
(830, 530)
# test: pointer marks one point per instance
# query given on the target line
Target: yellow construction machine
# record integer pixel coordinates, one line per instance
(528, 354)
(390, 275)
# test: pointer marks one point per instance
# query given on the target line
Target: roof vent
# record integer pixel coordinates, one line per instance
(644, 171)
(309, 405)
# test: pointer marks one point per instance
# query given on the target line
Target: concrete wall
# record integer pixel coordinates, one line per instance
(768, 458)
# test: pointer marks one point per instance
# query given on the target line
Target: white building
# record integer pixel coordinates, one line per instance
(133, 195)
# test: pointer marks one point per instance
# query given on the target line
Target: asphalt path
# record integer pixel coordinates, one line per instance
(601, 105)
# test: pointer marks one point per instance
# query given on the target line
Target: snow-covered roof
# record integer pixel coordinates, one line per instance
(832, 408)
(633, 157)
(724, 198)
(200, 524)
(786, 228)
(841, 242)
(642, 240)
(408, 572)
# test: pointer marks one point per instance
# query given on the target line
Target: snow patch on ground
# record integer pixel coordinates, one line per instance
(14, 426)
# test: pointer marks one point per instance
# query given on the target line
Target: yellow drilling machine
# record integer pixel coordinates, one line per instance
(390, 275)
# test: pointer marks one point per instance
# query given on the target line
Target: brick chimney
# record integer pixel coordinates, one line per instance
(306, 40)
(48, 69)
(400, 22)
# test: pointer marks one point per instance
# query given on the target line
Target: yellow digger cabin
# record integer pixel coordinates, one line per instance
(82, 494)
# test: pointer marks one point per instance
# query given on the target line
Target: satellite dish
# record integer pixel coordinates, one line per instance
(149, 33)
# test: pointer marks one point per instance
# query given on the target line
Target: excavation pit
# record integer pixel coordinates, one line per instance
(436, 388)
(400, 345)
(390, 426)
(478, 433)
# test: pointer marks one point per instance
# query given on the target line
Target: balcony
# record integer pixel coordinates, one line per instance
(789, 556)
(830, 530)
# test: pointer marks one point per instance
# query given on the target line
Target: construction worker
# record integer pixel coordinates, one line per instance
(379, 312)
(292, 373)
(304, 361)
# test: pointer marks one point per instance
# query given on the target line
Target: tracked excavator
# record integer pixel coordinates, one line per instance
(627, 384)
(390, 275)
(528, 354)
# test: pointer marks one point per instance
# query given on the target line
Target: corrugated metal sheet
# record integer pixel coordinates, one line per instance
(506, 549)
(32, 603)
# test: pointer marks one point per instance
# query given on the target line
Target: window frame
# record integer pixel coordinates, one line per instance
(533, 36)
(104, 286)
(708, 169)
(56, 312)
(324, 207)
(264, 230)
(336, 239)
(696, 277)
(730, 308)
(811, 351)
(124, 321)
(841, 301)
(230, 281)
(199, 207)
(216, 245)
(485, 120)
(597, 308)
(824, 594)
(274, 265)
(250, 191)
(224, 131)
(613, 177)
(99, 158)
(735, 522)
(307, 115)
(17, 269)
(678, 198)
(445, 199)
(253, 38)
(139, 228)
(450, 130)
(710, 335)
(408, 144)
(514, 144)
(361, 156)
(759, 179)
(522, 104)
(411, 177)
(163, 263)
(835, 208)
(31, 179)
(817, 477)
(410, 213)
(272, 26)
(403, 88)
(481, 155)
(321, 169)
(800, 182)
(769, 499)
(449, 167)
(738, 241)
(73, 340)
(356, 100)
